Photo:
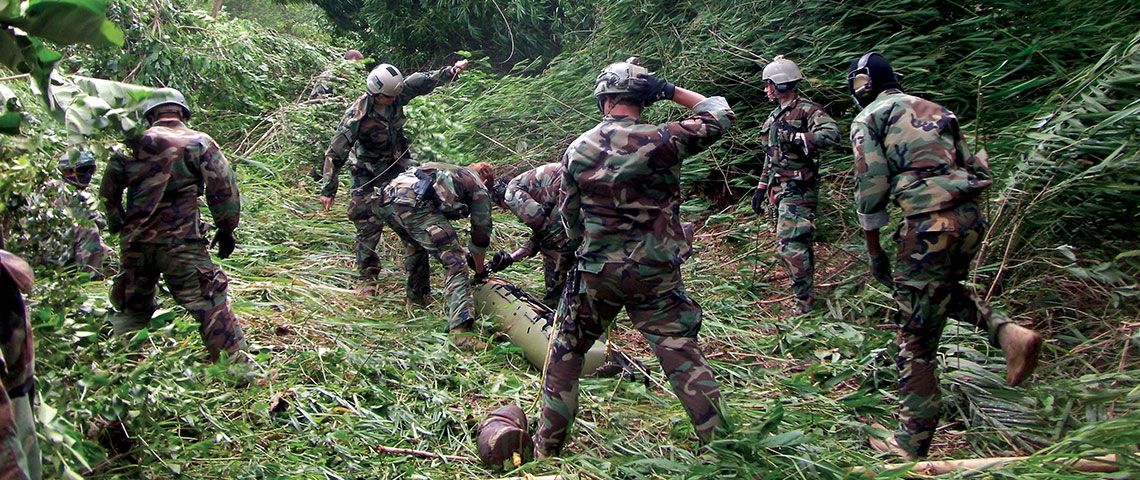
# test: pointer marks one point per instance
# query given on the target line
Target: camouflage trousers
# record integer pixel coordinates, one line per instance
(655, 299)
(368, 226)
(795, 229)
(934, 256)
(89, 251)
(555, 265)
(192, 278)
(426, 232)
(19, 453)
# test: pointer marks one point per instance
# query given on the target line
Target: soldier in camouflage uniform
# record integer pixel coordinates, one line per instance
(912, 151)
(419, 205)
(798, 129)
(161, 231)
(19, 452)
(533, 196)
(88, 249)
(327, 83)
(621, 209)
(371, 139)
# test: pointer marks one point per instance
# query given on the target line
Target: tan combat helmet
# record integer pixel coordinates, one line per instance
(615, 80)
(783, 73)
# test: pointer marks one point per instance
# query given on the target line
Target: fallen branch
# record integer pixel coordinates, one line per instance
(421, 453)
(544, 477)
(1105, 463)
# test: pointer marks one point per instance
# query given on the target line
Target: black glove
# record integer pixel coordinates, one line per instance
(224, 239)
(500, 261)
(881, 270)
(477, 276)
(759, 200)
(651, 89)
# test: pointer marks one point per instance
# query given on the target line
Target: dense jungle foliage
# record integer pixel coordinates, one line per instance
(1050, 89)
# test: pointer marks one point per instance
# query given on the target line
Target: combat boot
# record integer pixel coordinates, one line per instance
(1021, 347)
(503, 439)
(465, 339)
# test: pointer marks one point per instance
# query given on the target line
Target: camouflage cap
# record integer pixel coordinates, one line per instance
(74, 158)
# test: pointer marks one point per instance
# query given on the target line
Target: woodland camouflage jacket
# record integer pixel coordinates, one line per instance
(801, 116)
(533, 197)
(373, 135)
(456, 192)
(17, 352)
(172, 166)
(911, 149)
(623, 186)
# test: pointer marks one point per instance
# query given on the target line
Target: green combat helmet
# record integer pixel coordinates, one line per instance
(615, 79)
(77, 166)
(166, 96)
(782, 73)
(385, 80)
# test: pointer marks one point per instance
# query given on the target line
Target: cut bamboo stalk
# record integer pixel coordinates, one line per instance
(421, 453)
(1105, 463)
(544, 477)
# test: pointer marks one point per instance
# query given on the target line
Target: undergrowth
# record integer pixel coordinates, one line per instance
(341, 374)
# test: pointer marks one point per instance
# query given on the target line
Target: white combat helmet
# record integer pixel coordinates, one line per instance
(385, 80)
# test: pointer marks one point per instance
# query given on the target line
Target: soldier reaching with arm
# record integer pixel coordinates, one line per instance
(912, 150)
(621, 210)
(798, 129)
(371, 139)
(160, 231)
(533, 197)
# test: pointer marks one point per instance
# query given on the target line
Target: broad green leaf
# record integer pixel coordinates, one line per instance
(10, 54)
(9, 9)
(39, 62)
(70, 21)
(92, 104)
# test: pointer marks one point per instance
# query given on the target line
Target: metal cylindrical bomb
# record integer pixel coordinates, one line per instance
(528, 322)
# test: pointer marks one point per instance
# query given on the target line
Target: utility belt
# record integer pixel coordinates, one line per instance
(807, 174)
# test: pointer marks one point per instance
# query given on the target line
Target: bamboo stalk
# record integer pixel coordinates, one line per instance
(421, 453)
(1106, 463)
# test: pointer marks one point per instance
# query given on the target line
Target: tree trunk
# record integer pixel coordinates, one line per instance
(217, 8)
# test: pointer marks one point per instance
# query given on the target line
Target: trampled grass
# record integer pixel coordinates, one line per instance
(342, 374)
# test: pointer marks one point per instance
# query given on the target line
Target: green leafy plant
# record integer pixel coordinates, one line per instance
(25, 24)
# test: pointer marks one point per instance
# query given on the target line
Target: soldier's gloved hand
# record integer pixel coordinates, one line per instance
(790, 140)
(651, 89)
(500, 261)
(226, 243)
(480, 277)
(759, 200)
(881, 270)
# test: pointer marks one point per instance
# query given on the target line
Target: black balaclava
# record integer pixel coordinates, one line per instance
(883, 77)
